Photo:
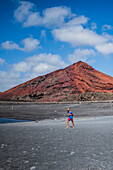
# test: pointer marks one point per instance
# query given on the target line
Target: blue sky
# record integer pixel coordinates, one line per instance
(40, 36)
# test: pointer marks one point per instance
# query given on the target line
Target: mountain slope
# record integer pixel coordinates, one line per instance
(75, 79)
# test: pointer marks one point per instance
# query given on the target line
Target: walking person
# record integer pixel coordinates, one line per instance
(70, 117)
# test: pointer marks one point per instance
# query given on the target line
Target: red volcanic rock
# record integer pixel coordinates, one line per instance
(58, 85)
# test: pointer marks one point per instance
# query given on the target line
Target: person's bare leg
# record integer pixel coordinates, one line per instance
(67, 123)
(73, 124)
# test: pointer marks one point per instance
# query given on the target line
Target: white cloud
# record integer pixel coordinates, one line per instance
(107, 27)
(30, 68)
(77, 21)
(29, 44)
(39, 64)
(34, 19)
(78, 36)
(108, 37)
(23, 11)
(44, 63)
(55, 16)
(10, 45)
(2, 61)
(81, 54)
(27, 14)
(66, 27)
(46, 67)
(48, 58)
(93, 26)
(21, 67)
(43, 34)
(9, 79)
(105, 49)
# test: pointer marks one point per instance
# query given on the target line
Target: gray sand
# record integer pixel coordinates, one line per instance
(35, 111)
(48, 145)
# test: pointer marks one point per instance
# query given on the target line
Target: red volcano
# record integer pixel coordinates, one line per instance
(56, 86)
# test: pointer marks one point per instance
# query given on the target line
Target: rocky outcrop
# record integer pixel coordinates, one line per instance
(60, 85)
(90, 96)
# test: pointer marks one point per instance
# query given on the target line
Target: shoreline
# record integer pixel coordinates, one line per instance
(58, 120)
(55, 121)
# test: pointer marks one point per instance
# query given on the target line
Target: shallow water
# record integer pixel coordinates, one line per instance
(6, 120)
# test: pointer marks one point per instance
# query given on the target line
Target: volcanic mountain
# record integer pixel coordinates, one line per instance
(61, 84)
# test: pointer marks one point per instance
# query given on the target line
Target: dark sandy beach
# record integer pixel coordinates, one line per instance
(47, 144)
(40, 111)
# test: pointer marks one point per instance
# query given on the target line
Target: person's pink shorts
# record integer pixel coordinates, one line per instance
(70, 119)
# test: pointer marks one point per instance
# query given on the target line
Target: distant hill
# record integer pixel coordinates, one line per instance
(62, 85)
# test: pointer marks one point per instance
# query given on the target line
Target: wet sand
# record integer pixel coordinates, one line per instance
(48, 145)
